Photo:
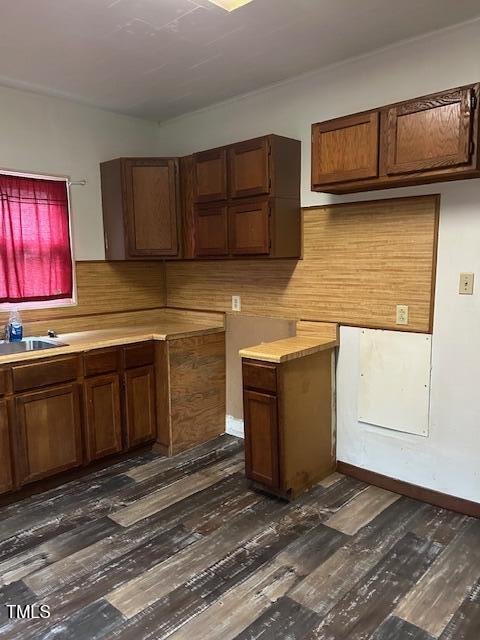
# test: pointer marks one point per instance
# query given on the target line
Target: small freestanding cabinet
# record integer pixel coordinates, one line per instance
(287, 397)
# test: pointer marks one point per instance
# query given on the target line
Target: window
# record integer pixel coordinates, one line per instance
(36, 264)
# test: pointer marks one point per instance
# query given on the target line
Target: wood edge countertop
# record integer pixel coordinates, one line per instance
(288, 348)
(81, 341)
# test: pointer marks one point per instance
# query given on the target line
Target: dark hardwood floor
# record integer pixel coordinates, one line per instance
(180, 548)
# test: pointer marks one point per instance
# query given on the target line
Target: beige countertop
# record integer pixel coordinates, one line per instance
(165, 329)
(288, 348)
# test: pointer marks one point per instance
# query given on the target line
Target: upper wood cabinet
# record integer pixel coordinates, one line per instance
(250, 228)
(269, 165)
(210, 175)
(345, 149)
(249, 168)
(182, 208)
(141, 207)
(211, 227)
(430, 133)
(246, 199)
(429, 139)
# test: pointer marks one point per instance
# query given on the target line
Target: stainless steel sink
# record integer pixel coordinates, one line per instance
(28, 344)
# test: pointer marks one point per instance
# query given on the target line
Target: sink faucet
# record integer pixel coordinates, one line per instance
(52, 334)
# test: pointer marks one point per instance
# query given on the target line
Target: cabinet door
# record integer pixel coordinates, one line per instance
(248, 164)
(49, 434)
(249, 225)
(152, 207)
(6, 476)
(140, 405)
(345, 149)
(210, 175)
(430, 133)
(103, 416)
(211, 231)
(261, 438)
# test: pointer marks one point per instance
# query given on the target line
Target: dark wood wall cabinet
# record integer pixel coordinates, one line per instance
(246, 200)
(141, 208)
(288, 423)
(241, 200)
(434, 138)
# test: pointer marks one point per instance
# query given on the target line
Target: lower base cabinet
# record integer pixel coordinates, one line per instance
(49, 432)
(288, 423)
(60, 413)
(64, 412)
(103, 417)
(140, 405)
(6, 476)
(191, 392)
(261, 438)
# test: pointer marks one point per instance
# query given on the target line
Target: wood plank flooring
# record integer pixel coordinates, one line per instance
(181, 548)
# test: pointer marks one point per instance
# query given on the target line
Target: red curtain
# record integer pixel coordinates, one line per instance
(35, 254)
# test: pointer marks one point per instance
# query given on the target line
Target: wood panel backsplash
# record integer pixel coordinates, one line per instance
(106, 287)
(360, 260)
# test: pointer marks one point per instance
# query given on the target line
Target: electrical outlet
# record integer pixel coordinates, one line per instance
(402, 313)
(236, 303)
(466, 284)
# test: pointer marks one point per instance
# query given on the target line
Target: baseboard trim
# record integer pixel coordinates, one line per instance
(467, 507)
(234, 427)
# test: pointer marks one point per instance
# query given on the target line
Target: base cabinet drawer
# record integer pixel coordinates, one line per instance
(48, 432)
(261, 438)
(140, 411)
(101, 361)
(45, 373)
(3, 382)
(6, 475)
(103, 417)
(262, 376)
(139, 355)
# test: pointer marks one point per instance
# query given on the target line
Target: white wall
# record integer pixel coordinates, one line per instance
(449, 459)
(41, 134)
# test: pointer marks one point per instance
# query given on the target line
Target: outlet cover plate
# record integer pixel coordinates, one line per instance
(402, 314)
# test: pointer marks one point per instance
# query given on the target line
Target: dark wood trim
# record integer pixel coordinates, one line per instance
(444, 500)
(435, 261)
(355, 203)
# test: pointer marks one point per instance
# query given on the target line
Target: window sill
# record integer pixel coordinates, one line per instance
(38, 304)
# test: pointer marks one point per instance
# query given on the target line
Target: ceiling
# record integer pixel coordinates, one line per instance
(158, 59)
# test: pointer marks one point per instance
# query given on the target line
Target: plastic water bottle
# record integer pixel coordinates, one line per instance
(14, 327)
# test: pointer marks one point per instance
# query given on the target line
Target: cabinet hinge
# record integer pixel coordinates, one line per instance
(269, 183)
(473, 100)
(106, 241)
(471, 149)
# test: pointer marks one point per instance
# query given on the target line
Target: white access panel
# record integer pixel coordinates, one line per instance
(394, 385)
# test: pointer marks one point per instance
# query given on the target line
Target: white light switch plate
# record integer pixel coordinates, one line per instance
(466, 284)
(236, 303)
